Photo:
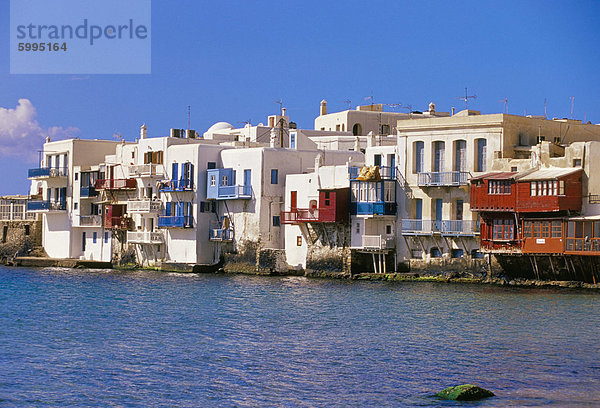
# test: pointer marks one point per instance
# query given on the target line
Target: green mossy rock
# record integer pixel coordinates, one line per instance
(465, 392)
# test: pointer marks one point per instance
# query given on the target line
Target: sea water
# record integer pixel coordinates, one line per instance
(106, 338)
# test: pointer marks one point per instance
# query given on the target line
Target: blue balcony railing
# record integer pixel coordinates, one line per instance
(46, 205)
(376, 208)
(177, 185)
(47, 172)
(220, 234)
(177, 221)
(385, 172)
(443, 178)
(229, 193)
(442, 227)
(88, 192)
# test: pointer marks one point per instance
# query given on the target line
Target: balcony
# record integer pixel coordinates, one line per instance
(116, 184)
(176, 185)
(85, 192)
(46, 205)
(377, 242)
(143, 206)
(377, 208)
(300, 215)
(147, 170)
(445, 227)
(90, 220)
(178, 221)
(443, 179)
(385, 172)
(46, 172)
(145, 237)
(122, 223)
(230, 193)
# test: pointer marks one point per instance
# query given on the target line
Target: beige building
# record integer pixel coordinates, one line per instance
(438, 155)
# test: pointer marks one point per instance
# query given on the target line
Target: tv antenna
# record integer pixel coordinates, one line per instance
(246, 122)
(572, 98)
(189, 115)
(466, 98)
(370, 98)
(545, 111)
(349, 102)
(505, 100)
(280, 102)
(117, 135)
(393, 106)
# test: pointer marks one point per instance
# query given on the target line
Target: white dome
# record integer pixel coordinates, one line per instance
(220, 126)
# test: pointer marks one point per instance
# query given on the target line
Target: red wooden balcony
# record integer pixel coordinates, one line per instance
(300, 215)
(494, 192)
(122, 223)
(116, 184)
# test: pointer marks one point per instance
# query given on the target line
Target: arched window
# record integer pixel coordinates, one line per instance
(357, 129)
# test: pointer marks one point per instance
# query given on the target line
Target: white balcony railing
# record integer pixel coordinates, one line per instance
(147, 170)
(377, 242)
(143, 206)
(145, 237)
(90, 220)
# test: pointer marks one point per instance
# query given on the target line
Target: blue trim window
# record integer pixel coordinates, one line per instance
(95, 237)
(106, 237)
(274, 176)
(276, 221)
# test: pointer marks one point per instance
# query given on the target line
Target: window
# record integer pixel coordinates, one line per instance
(299, 240)
(76, 176)
(213, 180)
(377, 160)
(327, 201)
(276, 221)
(439, 150)
(556, 229)
(481, 153)
(385, 130)
(513, 169)
(555, 187)
(388, 229)
(292, 140)
(225, 180)
(419, 157)
(27, 230)
(502, 229)
(561, 187)
(211, 165)
(545, 229)
(95, 237)
(576, 162)
(75, 206)
(460, 153)
(106, 237)
(83, 241)
(358, 227)
(274, 174)
(527, 229)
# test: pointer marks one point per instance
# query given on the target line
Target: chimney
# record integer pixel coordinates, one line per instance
(453, 111)
(143, 131)
(431, 107)
(283, 110)
(323, 107)
(318, 159)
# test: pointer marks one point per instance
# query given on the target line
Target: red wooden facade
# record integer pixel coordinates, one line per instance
(493, 192)
(540, 191)
(333, 207)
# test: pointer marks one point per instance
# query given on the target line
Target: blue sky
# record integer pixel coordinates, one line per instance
(231, 60)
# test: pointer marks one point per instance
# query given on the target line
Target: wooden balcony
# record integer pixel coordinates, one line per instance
(116, 184)
(143, 206)
(301, 215)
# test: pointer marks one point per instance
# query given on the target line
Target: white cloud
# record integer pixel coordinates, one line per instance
(21, 135)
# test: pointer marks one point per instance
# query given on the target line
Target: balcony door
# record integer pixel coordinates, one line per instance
(293, 200)
(438, 159)
(460, 162)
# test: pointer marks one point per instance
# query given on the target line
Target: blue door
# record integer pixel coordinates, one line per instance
(419, 209)
(174, 172)
(438, 209)
(392, 162)
(247, 181)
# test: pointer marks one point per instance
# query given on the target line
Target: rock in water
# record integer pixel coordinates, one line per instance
(465, 392)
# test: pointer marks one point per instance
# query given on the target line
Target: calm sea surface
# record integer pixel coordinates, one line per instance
(146, 339)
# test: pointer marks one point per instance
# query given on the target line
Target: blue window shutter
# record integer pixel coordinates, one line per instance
(106, 237)
(95, 237)
(168, 209)
(174, 171)
(191, 175)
